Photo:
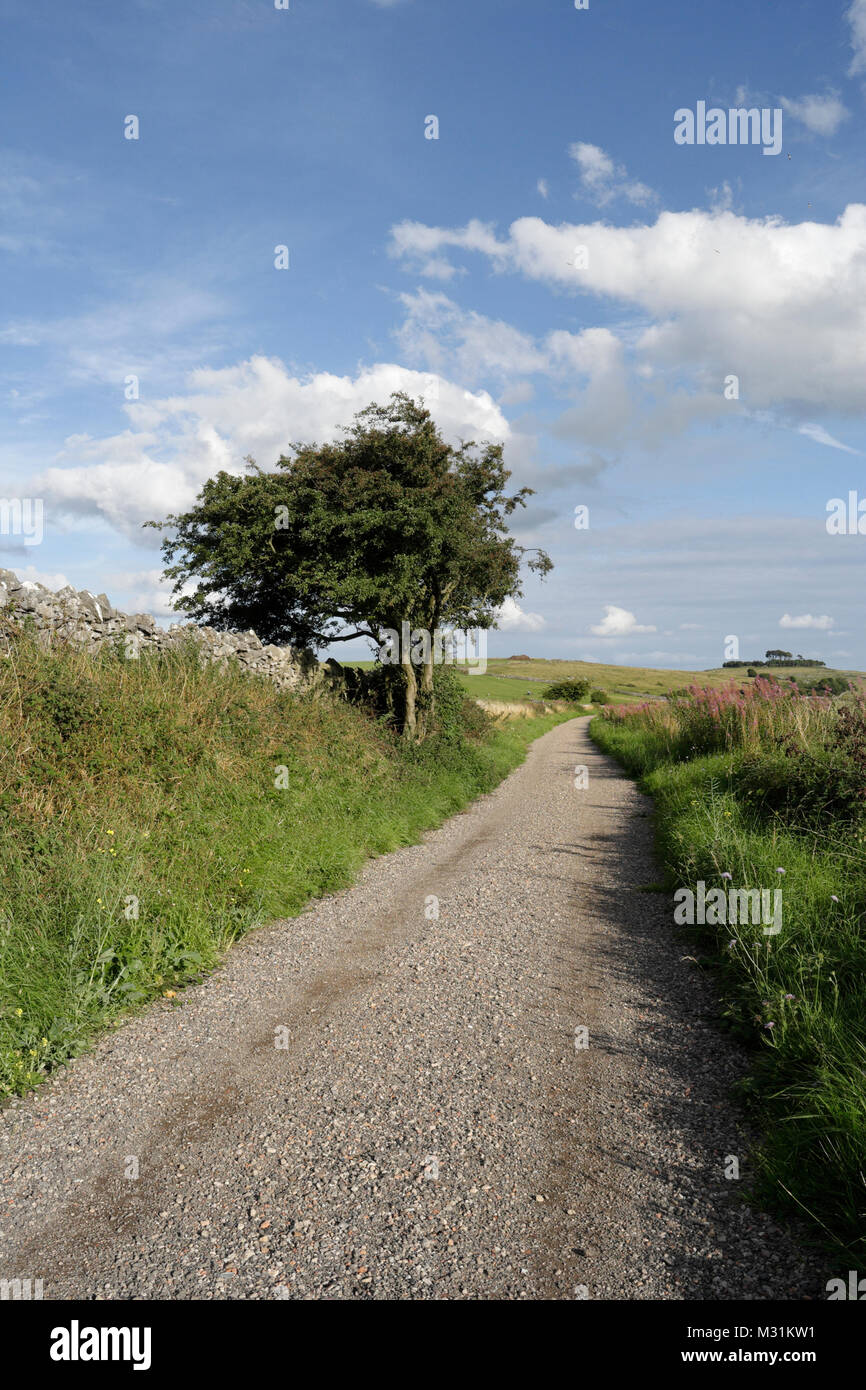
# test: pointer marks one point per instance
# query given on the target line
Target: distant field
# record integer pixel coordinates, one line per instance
(624, 683)
(515, 680)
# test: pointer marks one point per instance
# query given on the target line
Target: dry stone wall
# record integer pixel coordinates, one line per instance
(88, 620)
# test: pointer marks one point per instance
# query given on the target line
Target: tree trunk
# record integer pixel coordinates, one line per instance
(425, 701)
(410, 700)
(409, 687)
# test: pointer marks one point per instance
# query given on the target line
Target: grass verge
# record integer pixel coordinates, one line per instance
(153, 811)
(797, 999)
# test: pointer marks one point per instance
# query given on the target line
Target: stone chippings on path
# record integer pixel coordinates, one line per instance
(430, 1131)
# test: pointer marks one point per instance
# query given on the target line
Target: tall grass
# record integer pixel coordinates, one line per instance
(750, 717)
(143, 830)
(747, 794)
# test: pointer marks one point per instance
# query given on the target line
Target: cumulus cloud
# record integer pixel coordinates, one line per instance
(422, 244)
(823, 115)
(31, 575)
(618, 622)
(145, 591)
(783, 305)
(444, 336)
(159, 464)
(603, 180)
(511, 618)
(590, 367)
(822, 624)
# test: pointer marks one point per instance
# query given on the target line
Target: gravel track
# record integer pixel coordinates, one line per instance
(430, 1130)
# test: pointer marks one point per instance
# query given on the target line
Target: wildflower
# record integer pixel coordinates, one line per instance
(780, 871)
(790, 996)
(44, 1042)
(726, 874)
(833, 898)
(769, 1025)
(169, 994)
(18, 1013)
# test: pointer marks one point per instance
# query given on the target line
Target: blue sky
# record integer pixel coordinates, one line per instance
(446, 267)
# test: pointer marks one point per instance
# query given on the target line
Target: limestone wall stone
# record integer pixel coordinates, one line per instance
(88, 620)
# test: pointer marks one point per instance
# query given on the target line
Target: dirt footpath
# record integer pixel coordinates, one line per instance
(388, 1097)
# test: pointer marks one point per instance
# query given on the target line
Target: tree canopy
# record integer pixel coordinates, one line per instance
(341, 540)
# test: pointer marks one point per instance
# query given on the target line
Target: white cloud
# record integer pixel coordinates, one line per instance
(603, 180)
(589, 366)
(444, 336)
(160, 329)
(31, 575)
(822, 624)
(823, 115)
(257, 408)
(618, 622)
(422, 243)
(781, 305)
(856, 17)
(145, 591)
(542, 187)
(511, 618)
(822, 436)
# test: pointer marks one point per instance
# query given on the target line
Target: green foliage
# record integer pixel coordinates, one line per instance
(575, 690)
(457, 716)
(389, 527)
(824, 685)
(598, 697)
(148, 787)
(798, 999)
(342, 540)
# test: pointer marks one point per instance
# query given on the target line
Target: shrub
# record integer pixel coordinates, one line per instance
(457, 716)
(574, 690)
(825, 685)
(598, 697)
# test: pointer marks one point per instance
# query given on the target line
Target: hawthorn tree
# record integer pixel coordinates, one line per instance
(344, 540)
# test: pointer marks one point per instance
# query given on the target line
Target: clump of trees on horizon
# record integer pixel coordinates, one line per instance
(776, 657)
